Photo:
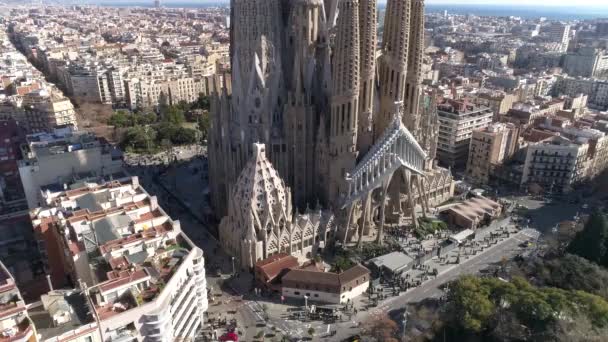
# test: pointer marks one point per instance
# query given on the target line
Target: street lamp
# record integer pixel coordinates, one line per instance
(405, 314)
(233, 270)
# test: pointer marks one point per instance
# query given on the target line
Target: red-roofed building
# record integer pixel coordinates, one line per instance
(269, 271)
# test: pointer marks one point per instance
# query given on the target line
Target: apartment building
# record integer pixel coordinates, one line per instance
(556, 164)
(143, 278)
(46, 109)
(489, 147)
(12, 198)
(559, 33)
(586, 62)
(596, 89)
(15, 323)
(64, 316)
(498, 102)
(457, 121)
(146, 92)
(51, 160)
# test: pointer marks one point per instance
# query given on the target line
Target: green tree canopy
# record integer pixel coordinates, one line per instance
(203, 102)
(120, 119)
(591, 242)
(140, 138)
(174, 115)
(569, 272)
(204, 123)
(475, 304)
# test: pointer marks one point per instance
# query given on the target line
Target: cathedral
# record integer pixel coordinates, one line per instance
(318, 114)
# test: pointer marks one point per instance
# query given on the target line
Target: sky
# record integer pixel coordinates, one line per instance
(554, 3)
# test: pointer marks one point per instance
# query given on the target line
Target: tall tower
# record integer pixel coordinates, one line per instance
(368, 40)
(303, 34)
(413, 81)
(156, 3)
(393, 66)
(344, 100)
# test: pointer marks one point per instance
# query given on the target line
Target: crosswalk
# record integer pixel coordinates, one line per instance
(531, 233)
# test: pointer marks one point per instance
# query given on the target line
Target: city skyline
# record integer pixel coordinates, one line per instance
(556, 3)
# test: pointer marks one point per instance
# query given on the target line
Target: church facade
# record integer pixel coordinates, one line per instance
(312, 89)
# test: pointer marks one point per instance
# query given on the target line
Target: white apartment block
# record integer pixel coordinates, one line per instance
(559, 33)
(146, 92)
(51, 160)
(144, 278)
(457, 121)
(555, 164)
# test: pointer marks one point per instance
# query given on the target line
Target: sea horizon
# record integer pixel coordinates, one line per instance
(494, 10)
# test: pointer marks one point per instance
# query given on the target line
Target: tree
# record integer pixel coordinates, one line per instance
(183, 106)
(163, 104)
(166, 130)
(591, 242)
(204, 123)
(145, 118)
(382, 328)
(470, 304)
(311, 331)
(174, 115)
(140, 138)
(184, 136)
(569, 272)
(120, 119)
(203, 102)
(342, 264)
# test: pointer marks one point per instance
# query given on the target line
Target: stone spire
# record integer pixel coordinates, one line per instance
(345, 94)
(413, 85)
(368, 40)
(393, 66)
(252, 20)
(260, 194)
(259, 210)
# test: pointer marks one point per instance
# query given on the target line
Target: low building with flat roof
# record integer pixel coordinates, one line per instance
(62, 157)
(393, 263)
(64, 316)
(474, 212)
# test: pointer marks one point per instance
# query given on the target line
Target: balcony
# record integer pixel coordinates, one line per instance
(19, 333)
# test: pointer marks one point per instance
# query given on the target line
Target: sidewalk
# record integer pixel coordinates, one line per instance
(480, 243)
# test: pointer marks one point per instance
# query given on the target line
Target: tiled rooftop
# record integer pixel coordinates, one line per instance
(130, 241)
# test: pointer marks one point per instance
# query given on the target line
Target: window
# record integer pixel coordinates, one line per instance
(88, 339)
(297, 293)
